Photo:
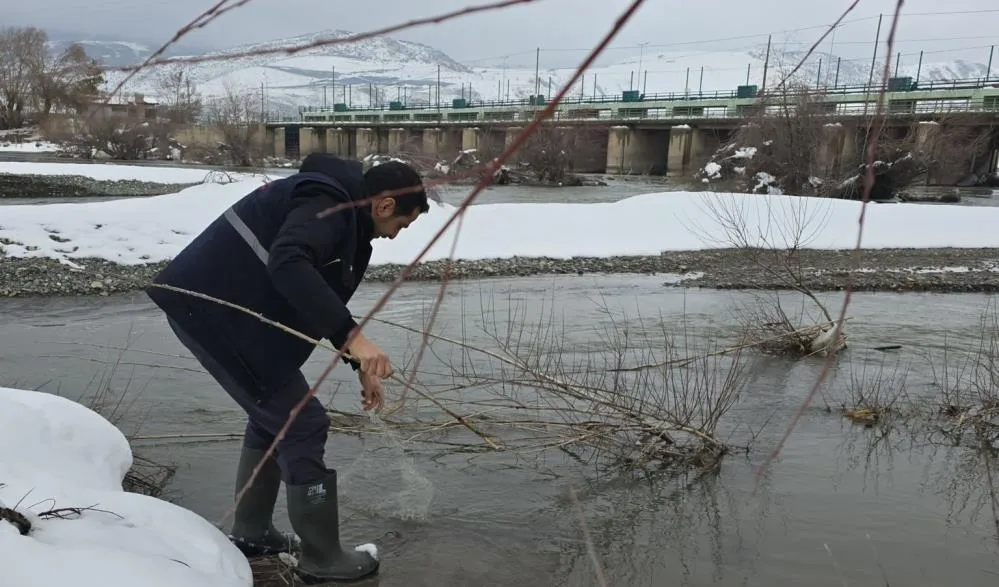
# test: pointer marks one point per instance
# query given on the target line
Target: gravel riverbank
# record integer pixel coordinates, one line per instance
(78, 186)
(895, 270)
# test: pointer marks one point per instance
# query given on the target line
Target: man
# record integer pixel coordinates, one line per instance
(272, 254)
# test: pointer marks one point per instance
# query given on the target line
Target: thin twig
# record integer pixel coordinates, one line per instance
(326, 42)
(868, 186)
(203, 19)
(818, 42)
(324, 345)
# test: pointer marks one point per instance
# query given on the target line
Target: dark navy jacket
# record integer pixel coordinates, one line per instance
(269, 253)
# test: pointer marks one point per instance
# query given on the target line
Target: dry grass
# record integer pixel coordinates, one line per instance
(876, 397)
(968, 384)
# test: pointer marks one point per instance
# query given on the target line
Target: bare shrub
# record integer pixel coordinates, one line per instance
(553, 154)
(236, 116)
(793, 142)
(877, 396)
(768, 234)
(22, 57)
(645, 398)
(968, 382)
(117, 136)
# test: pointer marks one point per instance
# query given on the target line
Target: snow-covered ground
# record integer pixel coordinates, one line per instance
(115, 172)
(131, 231)
(55, 454)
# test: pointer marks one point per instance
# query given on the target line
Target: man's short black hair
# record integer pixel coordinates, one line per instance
(396, 175)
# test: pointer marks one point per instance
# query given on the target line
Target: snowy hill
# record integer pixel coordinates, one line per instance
(110, 53)
(379, 70)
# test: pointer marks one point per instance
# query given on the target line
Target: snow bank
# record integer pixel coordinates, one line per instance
(55, 453)
(114, 172)
(154, 229)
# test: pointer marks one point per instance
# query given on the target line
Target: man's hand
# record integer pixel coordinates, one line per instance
(372, 392)
(373, 360)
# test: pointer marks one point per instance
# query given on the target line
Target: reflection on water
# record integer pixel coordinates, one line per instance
(843, 504)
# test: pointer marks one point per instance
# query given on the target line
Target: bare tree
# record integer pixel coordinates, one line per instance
(178, 96)
(236, 117)
(70, 80)
(22, 56)
(113, 135)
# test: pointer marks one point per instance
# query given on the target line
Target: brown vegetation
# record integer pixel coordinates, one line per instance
(31, 82)
(792, 143)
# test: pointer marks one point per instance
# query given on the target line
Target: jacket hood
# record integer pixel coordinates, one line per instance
(348, 173)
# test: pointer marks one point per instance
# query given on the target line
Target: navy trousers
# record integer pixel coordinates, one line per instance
(300, 454)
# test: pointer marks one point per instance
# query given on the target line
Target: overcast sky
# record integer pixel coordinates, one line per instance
(562, 28)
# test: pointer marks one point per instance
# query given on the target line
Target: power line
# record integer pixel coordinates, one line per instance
(764, 35)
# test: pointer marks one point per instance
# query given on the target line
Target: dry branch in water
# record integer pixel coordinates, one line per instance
(868, 185)
(496, 163)
(770, 234)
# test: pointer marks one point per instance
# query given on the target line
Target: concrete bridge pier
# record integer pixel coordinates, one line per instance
(310, 140)
(396, 140)
(442, 143)
(338, 142)
(510, 134)
(470, 138)
(832, 150)
(279, 142)
(366, 142)
(636, 151)
(689, 148)
(680, 149)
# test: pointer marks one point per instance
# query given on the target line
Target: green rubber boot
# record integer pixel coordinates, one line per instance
(314, 514)
(253, 530)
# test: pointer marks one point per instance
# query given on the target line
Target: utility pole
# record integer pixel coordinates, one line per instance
(537, 70)
(877, 38)
(766, 63)
(988, 68)
(641, 54)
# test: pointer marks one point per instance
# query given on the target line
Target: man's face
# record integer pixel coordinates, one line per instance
(387, 223)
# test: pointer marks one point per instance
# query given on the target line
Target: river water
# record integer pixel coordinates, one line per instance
(617, 188)
(835, 509)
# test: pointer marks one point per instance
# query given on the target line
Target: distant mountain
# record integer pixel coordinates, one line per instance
(383, 69)
(111, 52)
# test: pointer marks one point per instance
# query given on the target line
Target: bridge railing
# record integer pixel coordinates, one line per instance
(959, 84)
(843, 109)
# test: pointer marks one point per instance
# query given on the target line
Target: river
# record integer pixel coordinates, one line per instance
(617, 188)
(835, 509)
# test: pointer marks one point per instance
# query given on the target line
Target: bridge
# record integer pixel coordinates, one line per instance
(639, 133)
